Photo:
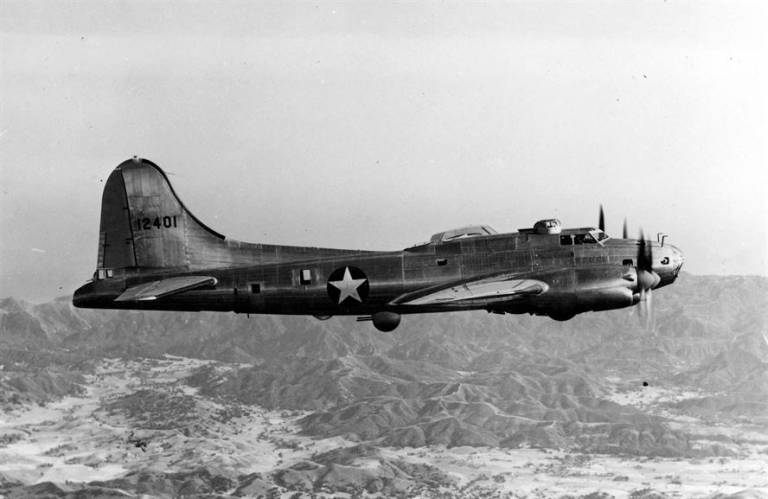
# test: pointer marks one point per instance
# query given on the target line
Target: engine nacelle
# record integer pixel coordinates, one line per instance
(606, 299)
(591, 300)
(386, 321)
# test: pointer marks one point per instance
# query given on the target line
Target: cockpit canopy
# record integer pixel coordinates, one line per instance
(462, 233)
(551, 226)
(587, 235)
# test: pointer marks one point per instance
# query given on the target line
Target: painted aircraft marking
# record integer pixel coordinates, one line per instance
(347, 286)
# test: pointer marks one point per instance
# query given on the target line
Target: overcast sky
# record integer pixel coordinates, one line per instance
(374, 124)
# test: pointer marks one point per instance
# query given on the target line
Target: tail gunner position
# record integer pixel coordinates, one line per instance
(155, 255)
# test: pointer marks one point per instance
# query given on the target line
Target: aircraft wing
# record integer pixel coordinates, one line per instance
(489, 290)
(165, 287)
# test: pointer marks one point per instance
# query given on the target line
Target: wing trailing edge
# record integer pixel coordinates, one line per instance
(155, 290)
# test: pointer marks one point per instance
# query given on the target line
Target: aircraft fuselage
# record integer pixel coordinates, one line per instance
(579, 278)
(154, 254)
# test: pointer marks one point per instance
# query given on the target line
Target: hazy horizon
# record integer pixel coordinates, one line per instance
(374, 125)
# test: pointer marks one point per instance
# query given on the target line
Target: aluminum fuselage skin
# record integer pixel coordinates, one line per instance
(579, 277)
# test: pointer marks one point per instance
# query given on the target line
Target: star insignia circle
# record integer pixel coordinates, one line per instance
(348, 286)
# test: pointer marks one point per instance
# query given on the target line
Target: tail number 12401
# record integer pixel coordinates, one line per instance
(146, 223)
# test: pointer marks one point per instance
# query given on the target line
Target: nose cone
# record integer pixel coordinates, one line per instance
(677, 258)
(669, 265)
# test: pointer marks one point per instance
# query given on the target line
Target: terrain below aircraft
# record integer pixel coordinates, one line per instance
(154, 254)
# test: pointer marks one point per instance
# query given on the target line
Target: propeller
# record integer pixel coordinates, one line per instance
(647, 279)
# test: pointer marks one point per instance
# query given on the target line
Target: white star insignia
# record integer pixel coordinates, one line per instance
(347, 286)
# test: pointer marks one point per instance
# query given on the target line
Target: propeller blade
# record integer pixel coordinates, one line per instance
(651, 324)
(647, 279)
(646, 315)
(624, 234)
(601, 222)
(644, 254)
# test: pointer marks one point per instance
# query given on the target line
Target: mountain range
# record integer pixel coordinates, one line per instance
(458, 379)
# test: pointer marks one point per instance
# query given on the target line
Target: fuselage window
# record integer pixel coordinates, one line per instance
(255, 288)
(305, 277)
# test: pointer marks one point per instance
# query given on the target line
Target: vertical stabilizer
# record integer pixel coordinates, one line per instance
(145, 225)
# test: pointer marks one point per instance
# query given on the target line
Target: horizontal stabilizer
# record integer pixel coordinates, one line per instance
(166, 287)
(497, 289)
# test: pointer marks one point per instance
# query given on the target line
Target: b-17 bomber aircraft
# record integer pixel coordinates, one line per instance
(154, 254)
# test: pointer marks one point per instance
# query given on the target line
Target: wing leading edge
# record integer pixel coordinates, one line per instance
(166, 287)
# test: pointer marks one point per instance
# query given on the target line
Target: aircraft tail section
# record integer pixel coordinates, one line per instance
(144, 224)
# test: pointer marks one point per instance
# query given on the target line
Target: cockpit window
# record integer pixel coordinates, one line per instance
(583, 239)
(599, 235)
